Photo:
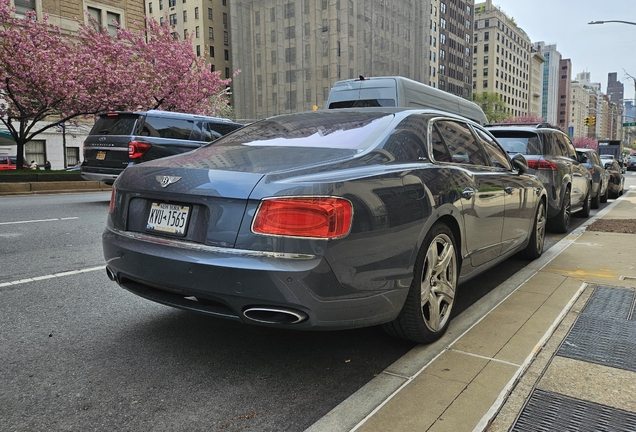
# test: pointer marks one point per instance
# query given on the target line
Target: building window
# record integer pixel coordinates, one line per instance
(273, 57)
(102, 16)
(288, 10)
(211, 33)
(172, 3)
(212, 51)
(35, 150)
(196, 13)
(257, 18)
(150, 7)
(212, 68)
(325, 71)
(290, 55)
(198, 50)
(290, 32)
(197, 32)
(160, 4)
(226, 38)
(210, 15)
(224, 20)
(185, 16)
(274, 78)
(291, 100)
(173, 20)
(226, 55)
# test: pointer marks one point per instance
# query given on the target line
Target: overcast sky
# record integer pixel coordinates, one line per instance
(598, 49)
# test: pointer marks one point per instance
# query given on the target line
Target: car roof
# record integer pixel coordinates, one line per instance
(171, 114)
(399, 112)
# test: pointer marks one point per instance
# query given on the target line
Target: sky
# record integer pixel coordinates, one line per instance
(598, 49)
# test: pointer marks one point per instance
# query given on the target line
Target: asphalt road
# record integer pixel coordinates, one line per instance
(79, 353)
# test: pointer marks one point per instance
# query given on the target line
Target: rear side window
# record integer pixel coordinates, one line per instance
(117, 124)
(217, 129)
(165, 127)
(461, 143)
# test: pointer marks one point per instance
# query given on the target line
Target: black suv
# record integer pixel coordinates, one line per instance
(552, 158)
(121, 139)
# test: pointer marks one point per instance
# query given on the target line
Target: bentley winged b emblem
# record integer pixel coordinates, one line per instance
(165, 181)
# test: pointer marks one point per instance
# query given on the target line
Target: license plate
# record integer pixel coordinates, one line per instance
(168, 218)
(101, 155)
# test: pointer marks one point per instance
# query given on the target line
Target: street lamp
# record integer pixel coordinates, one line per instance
(612, 21)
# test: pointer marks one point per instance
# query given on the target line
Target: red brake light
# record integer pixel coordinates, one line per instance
(317, 217)
(111, 207)
(537, 164)
(136, 149)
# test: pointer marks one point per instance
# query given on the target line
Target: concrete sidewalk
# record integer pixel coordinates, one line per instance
(557, 352)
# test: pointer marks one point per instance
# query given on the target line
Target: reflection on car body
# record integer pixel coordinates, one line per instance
(328, 220)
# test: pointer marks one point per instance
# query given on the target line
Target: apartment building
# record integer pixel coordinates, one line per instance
(291, 52)
(565, 79)
(550, 82)
(503, 57)
(456, 26)
(207, 21)
(433, 44)
(579, 102)
(535, 91)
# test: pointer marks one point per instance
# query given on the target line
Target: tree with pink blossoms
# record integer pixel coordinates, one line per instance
(47, 78)
(528, 118)
(585, 142)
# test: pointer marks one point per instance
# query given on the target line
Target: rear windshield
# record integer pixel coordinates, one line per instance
(115, 124)
(366, 103)
(525, 143)
(322, 129)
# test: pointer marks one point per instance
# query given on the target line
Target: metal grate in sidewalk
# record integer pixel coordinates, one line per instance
(547, 411)
(605, 332)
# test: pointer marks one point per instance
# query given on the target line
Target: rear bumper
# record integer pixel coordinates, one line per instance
(107, 176)
(280, 290)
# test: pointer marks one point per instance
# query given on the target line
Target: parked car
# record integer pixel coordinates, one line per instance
(617, 179)
(330, 219)
(600, 176)
(631, 163)
(552, 158)
(121, 139)
(10, 163)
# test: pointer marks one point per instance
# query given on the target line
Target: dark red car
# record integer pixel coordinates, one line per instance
(9, 163)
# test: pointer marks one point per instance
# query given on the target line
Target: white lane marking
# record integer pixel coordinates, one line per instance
(51, 276)
(38, 220)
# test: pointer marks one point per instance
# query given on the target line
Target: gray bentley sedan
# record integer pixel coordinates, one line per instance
(323, 220)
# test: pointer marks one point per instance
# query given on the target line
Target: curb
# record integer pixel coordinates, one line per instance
(52, 187)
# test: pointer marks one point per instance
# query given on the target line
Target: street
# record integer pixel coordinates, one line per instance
(80, 353)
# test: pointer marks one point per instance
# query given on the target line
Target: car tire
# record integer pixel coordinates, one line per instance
(561, 221)
(537, 238)
(587, 205)
(596, 200)
(425, 314)
(604, 196)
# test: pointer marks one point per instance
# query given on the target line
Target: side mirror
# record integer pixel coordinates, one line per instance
(520, 163)
(583, 158)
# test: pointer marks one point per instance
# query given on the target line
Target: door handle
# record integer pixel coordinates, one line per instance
(468, 193)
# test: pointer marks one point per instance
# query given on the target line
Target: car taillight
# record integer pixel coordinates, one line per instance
(111, 207)
(537, 164)
(136, 149)
(316, 217)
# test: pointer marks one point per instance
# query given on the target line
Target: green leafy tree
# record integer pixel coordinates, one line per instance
(493, 106)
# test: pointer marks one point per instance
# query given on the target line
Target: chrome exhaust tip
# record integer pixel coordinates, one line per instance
(111, 275)
(269, 315)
